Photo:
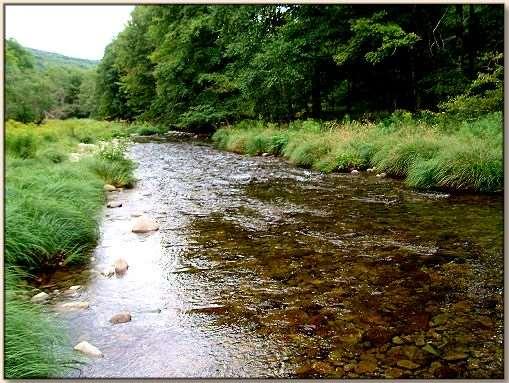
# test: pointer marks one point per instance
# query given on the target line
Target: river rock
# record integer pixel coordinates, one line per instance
(393, 373)
(75, 287)
(354, 172)
(121, 266)
(371, 170)
(365, 366)
(397, 340)
(265, 154)
(39, 298)
(114, 204)
(408, 364)
(381, 175)
(88, 349)
(455, 355)
(122, 317)
(109, 188)
(75, 305)
(144, 224)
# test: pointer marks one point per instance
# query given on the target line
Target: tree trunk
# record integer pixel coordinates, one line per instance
(316, 101)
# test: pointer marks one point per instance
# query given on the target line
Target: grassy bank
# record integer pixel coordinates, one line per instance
(431, 151)
(55, 174)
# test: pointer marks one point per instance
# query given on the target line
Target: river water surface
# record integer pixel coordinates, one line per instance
(261, 269)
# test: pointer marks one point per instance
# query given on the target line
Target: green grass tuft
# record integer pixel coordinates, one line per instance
(432, 151)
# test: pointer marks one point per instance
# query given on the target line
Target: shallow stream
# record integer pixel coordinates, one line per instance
(262, 269)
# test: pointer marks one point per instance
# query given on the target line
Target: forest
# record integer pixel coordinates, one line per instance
(389, 199)
(203, 66)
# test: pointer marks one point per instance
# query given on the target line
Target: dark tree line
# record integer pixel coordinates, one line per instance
(203, 65)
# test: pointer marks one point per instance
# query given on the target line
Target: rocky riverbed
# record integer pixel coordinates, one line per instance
(254, 268)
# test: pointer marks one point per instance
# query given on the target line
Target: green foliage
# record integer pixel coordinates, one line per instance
(146, 129)
(448, 154)
(201, 66)
(21, 144)
(52, 204)
(34, 341)
(485, 94)
(44, 86)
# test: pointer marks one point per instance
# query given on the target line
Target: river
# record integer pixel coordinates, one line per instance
(262, 269)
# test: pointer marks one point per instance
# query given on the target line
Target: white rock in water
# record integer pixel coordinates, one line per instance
(122, 317)
(265, 154)
(75, 305)
(76, 287)
(38, 298)
(144, 224)
(381, 175)
(114, 204)
(121, 266)
(354, 172)
(109, 187)
(371, 170)
(88, 349)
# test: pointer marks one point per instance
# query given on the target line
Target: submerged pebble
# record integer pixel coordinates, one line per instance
(144, 224)
(121, 317)
(39, 298)
(88, 349)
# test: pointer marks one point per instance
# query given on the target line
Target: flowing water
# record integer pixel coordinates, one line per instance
(261, 269)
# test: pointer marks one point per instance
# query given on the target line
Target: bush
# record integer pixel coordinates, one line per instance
(21, 143)
(54, 155)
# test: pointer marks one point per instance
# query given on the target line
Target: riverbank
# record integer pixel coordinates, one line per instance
(55, 174)
(432, 151)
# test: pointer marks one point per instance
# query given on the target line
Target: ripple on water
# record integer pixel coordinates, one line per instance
(263, 269)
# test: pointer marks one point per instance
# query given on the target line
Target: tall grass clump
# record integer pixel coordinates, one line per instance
(35, 343)
(428, 150)
(51, 212)
(111, 165)
(52, 208)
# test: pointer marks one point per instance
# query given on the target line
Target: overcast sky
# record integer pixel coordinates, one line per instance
(81, 31)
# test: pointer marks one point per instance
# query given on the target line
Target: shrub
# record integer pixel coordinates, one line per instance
(21, 143)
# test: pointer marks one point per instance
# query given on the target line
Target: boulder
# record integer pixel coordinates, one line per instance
(39, 298)
(370, 170)
(381, 175)
(144, 224)
(114, 204)
(121, 266)
(109, 188)
(121, 317)
(354, 172)
(265, 154)
(88, 349)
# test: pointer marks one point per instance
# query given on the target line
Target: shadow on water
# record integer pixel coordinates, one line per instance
(262, 269)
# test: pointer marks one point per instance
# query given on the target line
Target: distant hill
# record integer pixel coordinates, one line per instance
(43, 59)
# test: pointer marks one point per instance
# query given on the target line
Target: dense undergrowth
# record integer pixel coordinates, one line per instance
(429, 151)
(54, 195)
